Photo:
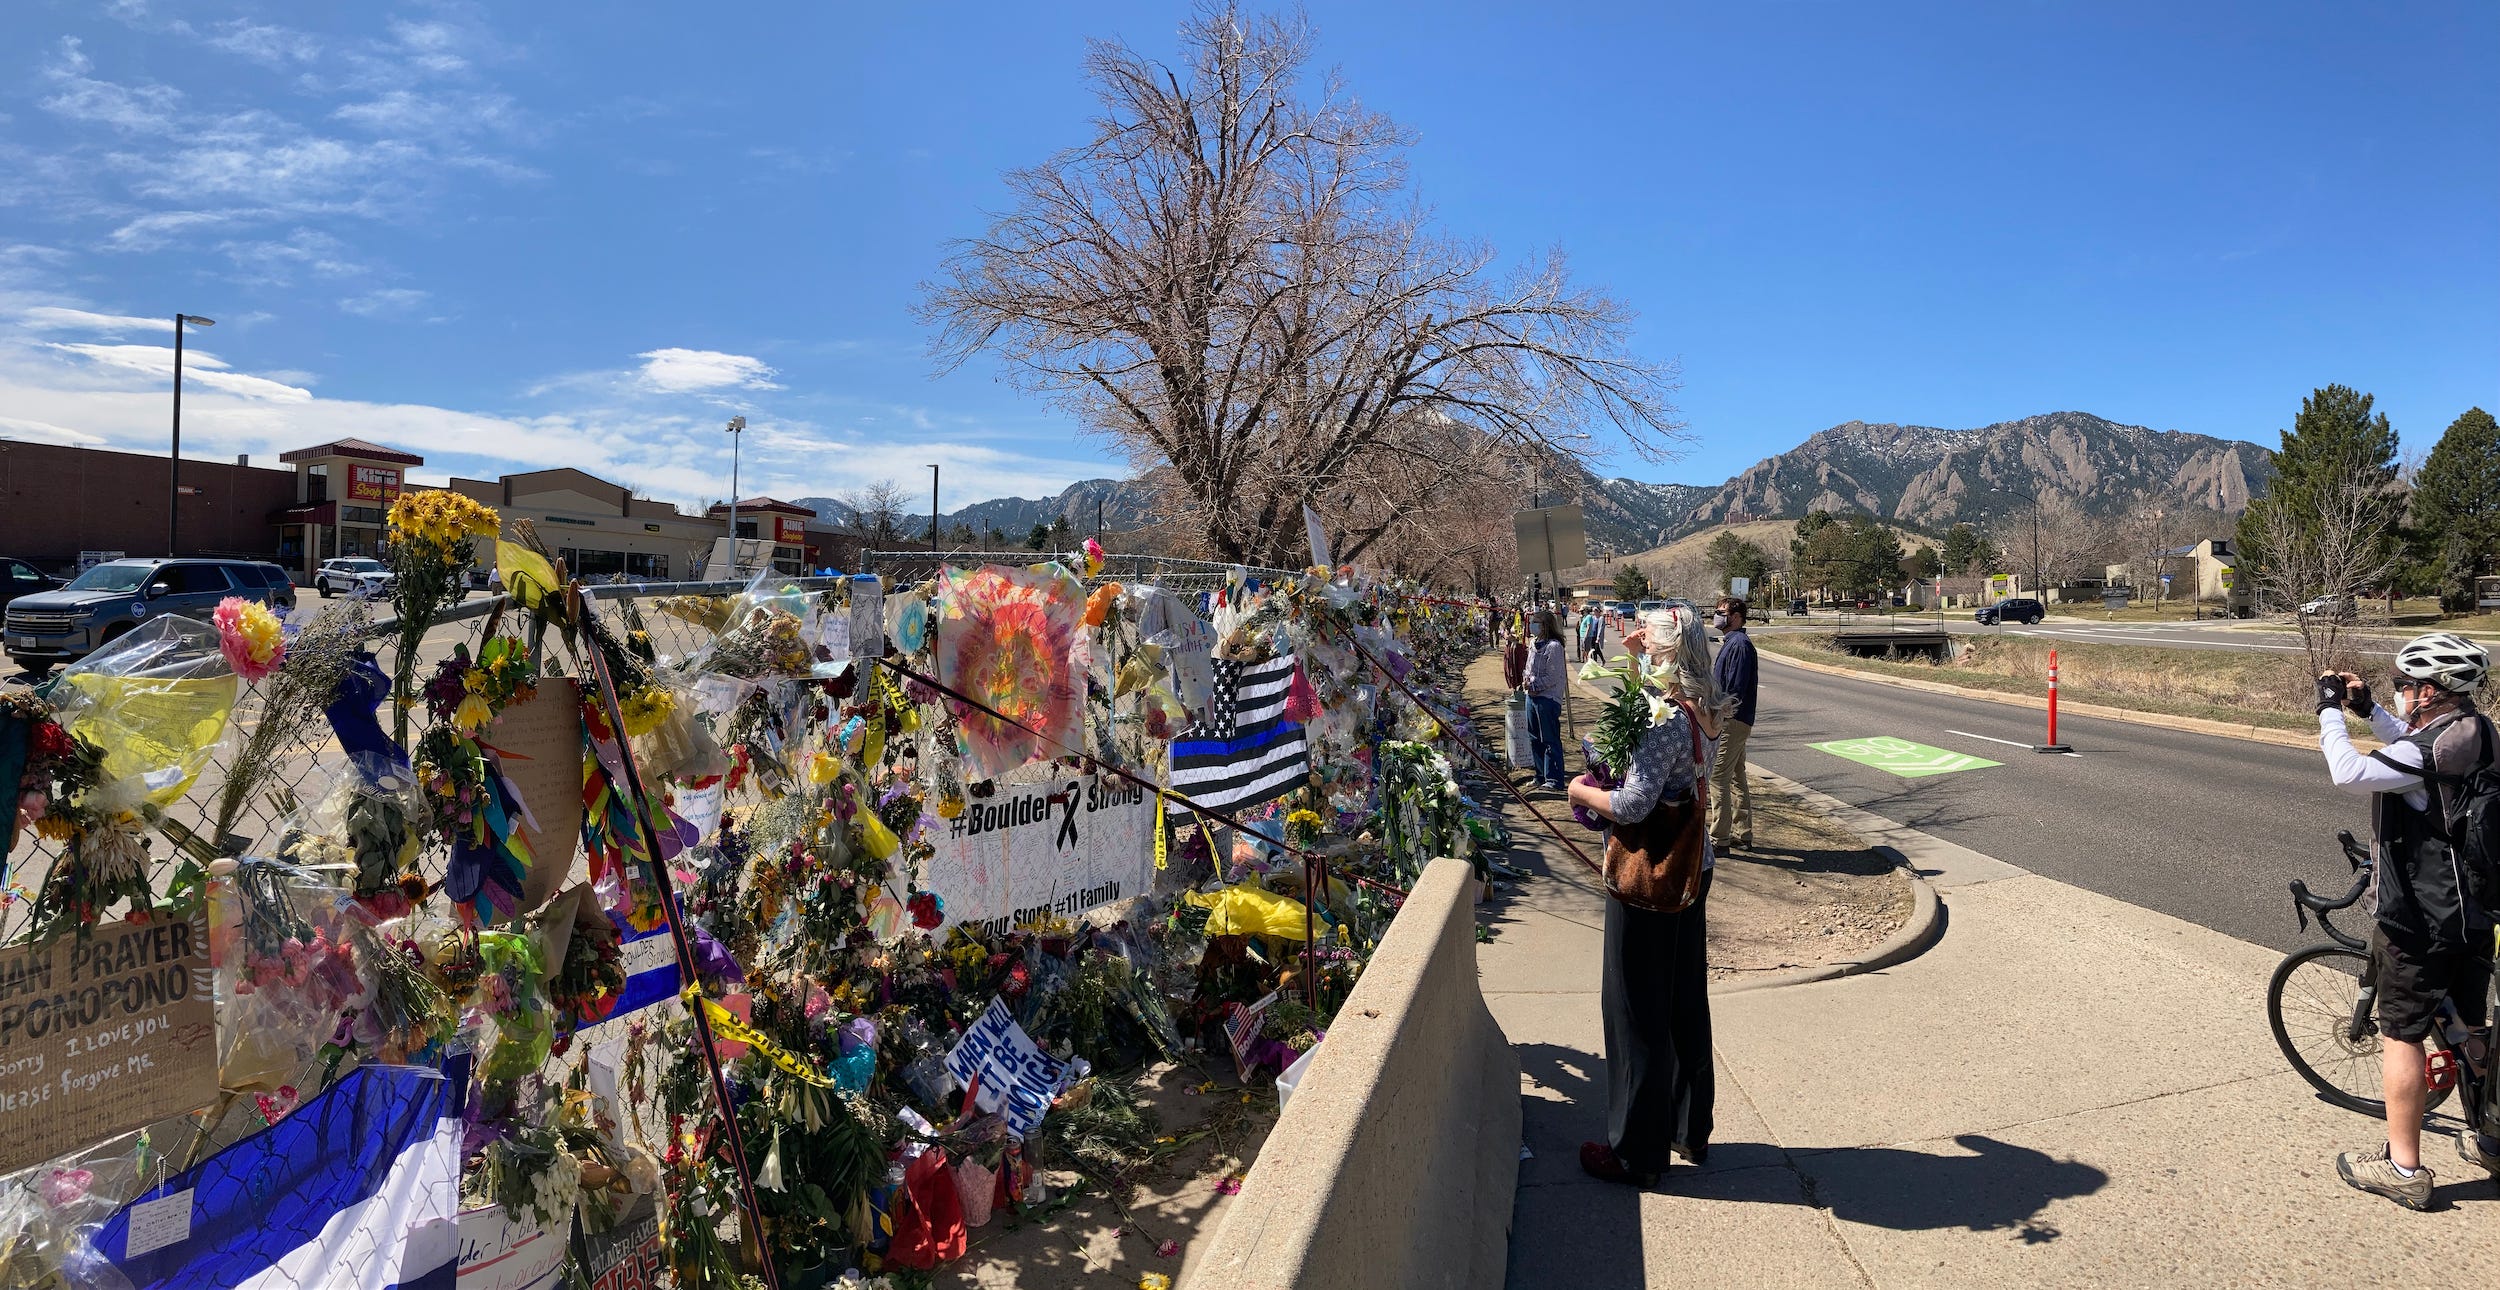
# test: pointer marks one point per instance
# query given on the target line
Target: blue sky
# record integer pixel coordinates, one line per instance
(535, 235)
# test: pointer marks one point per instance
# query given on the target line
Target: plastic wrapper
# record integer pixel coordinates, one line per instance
(286, 970)
(156, 702)
(49, 1213)
(1247, 909)
(346, 830)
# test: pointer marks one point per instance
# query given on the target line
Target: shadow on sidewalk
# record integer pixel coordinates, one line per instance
(2001, 1187)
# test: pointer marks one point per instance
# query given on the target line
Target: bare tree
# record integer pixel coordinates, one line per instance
(2063, 542)
(877, 511)
(2317, 564)
(1233, 279)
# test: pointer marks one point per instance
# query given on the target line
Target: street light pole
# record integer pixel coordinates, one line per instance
(173, 494)
(933, 511)
(737, 435)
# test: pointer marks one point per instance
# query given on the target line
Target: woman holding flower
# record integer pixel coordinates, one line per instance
(1655, 996)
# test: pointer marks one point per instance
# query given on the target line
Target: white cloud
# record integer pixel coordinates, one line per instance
(386, 302)
(139, 109)
(115, 395)
(148, 232)
(55, 318)
(685, 371)
(20, 427)
(200, 366)
(269, 45)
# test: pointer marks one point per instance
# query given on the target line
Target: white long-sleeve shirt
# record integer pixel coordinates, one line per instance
(2357, 772)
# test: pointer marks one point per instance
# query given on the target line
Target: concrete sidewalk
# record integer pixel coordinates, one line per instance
(2066, 1090)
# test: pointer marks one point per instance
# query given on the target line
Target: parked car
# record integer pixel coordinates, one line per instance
(2017, 609)
(49, 628)
(1796, 606)
(2336, 607)
(351, 575)
(19, 578)
(281, 584)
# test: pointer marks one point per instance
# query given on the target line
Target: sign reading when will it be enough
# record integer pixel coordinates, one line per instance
(103, 1034)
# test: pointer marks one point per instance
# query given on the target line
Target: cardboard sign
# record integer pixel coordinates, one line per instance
(627, 1256)
(498, 1252)
(542, 745)
(103, 1034)
(1018, 1079)
(1061, 845)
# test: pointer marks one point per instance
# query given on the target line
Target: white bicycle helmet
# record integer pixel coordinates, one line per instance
(2446, 660)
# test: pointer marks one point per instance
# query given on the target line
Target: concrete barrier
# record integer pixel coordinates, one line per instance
(1395, 1163)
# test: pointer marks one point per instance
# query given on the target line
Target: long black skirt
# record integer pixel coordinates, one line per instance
(1660, 1084)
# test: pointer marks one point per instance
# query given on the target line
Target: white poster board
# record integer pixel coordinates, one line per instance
(1062, 845)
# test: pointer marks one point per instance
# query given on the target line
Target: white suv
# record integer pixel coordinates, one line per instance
(357, 575)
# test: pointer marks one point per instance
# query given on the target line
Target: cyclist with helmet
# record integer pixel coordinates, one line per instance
(2433, 939)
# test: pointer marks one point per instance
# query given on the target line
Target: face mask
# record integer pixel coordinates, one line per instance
(1719, 621)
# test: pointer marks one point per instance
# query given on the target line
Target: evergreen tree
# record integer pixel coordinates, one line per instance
(1039, 538)
(1631, 583)
(1734, 557)
(2335, 445)
(2456, 509)
(1961, 548)
(1924, 564)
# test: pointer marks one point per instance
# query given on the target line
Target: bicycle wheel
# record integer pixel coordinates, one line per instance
(2310, 1005)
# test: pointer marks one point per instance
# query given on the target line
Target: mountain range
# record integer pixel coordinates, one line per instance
(1923, 477)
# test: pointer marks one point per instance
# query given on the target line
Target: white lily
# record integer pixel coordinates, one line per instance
(1659, 706)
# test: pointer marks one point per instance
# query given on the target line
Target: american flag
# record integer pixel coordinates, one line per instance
(1245, 753)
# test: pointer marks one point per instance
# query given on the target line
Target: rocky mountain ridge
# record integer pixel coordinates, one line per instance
(1924, 477)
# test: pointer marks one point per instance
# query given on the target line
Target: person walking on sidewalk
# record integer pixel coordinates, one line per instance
(2433, 938)
(1590, 626)
(1739, 674)
(1547, 681)
(1661, 1088)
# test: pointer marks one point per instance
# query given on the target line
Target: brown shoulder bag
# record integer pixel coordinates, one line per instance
(1654, 863)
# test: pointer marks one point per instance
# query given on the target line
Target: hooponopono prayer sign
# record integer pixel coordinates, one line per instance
(103, 1033)
(1018, 1079)
(1062, 846)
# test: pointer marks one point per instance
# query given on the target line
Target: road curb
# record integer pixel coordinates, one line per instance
(2192, 725)
(1923, 929)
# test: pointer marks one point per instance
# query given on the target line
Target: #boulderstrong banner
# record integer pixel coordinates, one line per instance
(1061, 845)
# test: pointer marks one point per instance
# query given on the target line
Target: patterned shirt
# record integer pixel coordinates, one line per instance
(1662, 770)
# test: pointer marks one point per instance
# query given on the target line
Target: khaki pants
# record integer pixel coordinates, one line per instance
(1732, 816)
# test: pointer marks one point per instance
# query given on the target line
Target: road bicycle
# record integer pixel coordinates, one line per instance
(2322, 1005)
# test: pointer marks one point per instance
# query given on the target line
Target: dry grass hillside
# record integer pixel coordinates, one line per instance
(1682, 567)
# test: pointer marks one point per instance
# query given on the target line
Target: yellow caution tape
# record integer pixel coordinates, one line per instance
(725, 1025)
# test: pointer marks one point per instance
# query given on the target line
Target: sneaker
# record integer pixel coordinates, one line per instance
(2475, 1149)
(2373, 1172)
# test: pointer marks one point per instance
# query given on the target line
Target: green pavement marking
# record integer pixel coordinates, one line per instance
(1903, 758)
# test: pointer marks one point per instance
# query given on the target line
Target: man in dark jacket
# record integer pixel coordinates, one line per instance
(2433, 940)
(1739, 676)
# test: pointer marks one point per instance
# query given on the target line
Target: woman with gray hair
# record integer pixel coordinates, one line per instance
(1655, 992)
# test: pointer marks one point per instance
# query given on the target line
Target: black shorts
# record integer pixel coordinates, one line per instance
(2413, 979)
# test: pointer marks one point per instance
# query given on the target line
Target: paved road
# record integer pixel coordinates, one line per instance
(2203, 828)
(2214, 635)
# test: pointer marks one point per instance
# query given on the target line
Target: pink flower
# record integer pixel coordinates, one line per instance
(1169, 1247)
(1228, 1187)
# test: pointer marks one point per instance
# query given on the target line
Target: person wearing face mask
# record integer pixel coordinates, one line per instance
(1739, 674)
(2433, 938)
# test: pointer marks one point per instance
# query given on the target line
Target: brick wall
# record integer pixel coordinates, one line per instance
(57, 501)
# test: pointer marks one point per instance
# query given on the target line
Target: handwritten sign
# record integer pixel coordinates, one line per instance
(1018, 1079)
(103, 1034)
(498, 1252)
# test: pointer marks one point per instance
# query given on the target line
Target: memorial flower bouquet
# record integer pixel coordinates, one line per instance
(302, 678)
(433, 534)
